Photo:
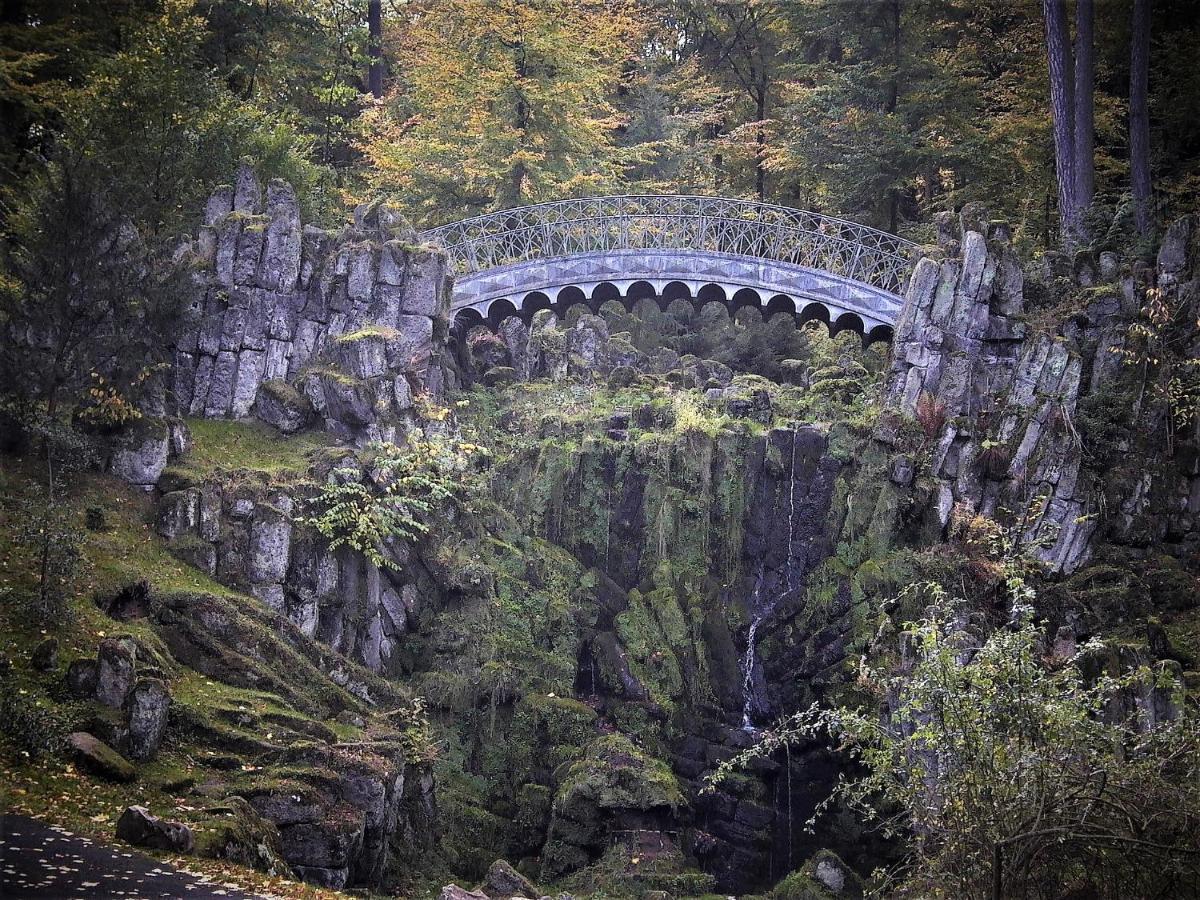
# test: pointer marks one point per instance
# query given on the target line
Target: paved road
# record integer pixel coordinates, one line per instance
(45, 861)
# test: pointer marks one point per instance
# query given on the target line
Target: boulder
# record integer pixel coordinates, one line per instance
(116, 661)
(282, 406)
(454, 892)
(138, 827)
(94, 756)
(140, 453)
(45, 655)
(81, 678)
(498, 376)
(502, 880)
(147, 708)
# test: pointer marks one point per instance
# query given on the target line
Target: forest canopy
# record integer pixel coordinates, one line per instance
(884, 112)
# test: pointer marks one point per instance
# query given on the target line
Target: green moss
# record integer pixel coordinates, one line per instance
(223, 448)
(614, 774)
(367, 332)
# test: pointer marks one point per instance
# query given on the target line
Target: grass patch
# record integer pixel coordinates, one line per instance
(224, 448)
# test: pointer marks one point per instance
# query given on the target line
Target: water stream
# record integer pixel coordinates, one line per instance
(759, 610)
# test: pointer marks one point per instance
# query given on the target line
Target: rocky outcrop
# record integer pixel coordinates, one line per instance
(995, 394)
(143, 700)
(282, 305)
(245, 537)
(336, 831)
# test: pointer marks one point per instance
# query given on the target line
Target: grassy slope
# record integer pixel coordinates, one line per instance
(129, 550)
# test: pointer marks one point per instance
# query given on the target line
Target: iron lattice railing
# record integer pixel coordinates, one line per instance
(593, 225)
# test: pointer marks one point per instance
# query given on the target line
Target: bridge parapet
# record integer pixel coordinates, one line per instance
(849, 268)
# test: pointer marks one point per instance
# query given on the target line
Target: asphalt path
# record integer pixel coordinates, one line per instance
(45, 861)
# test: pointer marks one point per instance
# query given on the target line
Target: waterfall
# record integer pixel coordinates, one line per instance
(748, 659)
(760, 610)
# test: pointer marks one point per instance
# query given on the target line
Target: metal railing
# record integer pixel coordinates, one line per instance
(597, 225)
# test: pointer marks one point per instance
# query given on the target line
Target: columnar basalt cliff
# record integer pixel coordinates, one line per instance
(353, 322)
(1008, 397)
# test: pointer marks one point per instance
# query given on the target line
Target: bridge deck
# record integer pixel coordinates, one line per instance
(571, 247)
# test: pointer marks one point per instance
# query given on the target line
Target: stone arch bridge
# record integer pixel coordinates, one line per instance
(630, 247)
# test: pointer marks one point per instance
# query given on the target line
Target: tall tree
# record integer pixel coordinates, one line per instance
(1139, 116)
(1062, 111)
(1085, 80)
(502, 103)
(375, 48)
(740, 41)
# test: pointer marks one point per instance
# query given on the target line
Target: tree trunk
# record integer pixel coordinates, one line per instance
(1062, 109)
(1139, 116)
(1085, 80)
(375, 47)
(760, 151)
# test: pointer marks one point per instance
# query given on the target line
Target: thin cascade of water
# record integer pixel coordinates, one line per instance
(760, 610)
(748, 658)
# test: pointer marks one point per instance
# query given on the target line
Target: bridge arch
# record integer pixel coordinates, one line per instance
(634, 247)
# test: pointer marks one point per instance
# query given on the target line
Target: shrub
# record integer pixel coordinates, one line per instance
(30, 728)
(1011, 779)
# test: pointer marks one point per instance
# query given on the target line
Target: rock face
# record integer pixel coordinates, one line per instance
(1002, 402)
(339, 834)
(138, 827)
(244, 536)
(276, 300)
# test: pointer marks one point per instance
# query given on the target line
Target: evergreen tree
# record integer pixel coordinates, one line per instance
(502, 103)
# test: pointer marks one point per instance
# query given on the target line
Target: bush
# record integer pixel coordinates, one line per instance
(30, 728)
(1011, 779)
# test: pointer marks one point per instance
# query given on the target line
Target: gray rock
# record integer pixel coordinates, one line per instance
(902, 471)
(425, 290)
(320, 845)
(587, 344)
(1175, 247)
(499, 375)
(220, 204)
(361, 273)
(503, 881)
(116, 662)
(249, 376)
(270, 544)
(220, 391)
(140, 453)
(415, 344)
(45, 655)
(81, 678)
(282, 406)
(454, 892)
(147, 708)
(280, 267)
(94, 756)
(1110, 266)
(138, 827)
(973, 217)
(247, 192)
(363, 355)
(515, 335)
